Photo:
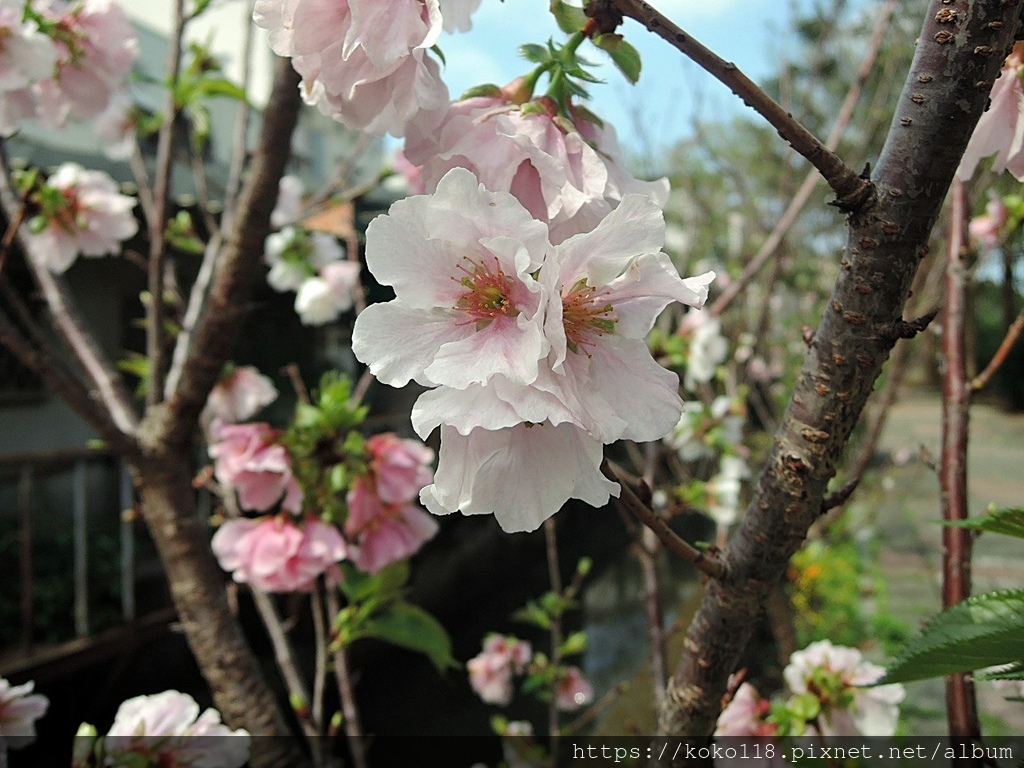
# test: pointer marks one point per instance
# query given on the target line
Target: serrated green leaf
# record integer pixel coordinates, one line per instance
(1014, 671)
(411, 627)
(568, 17)
(623, 55)
(1006, 521)
(982, 631)
(539, 54)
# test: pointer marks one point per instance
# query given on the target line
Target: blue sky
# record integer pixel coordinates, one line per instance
(671, 90)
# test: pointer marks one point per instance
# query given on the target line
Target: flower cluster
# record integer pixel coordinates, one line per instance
(79, 212)
(19, 710)
(383, 521)
(276, 554)
(569, 176)
(167, 729)
(832, 675)
(535, 351)
(363, 62)
(312, 264)
(61, 60)
(490, 672)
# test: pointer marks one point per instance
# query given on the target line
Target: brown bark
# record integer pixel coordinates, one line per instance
(197, 589)
(958, 56)
(961, 704)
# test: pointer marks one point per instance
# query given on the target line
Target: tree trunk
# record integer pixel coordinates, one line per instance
(213, 633)
(958, 57)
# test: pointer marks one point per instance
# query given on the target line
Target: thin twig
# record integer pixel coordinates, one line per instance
(853, 192)
(647, 551)
(321, 640)
(961, 705)
(12, 228)
(161, 205)
(1012, 334)
(349, 709)
(803, 194)
(144, 187)
(704, 562)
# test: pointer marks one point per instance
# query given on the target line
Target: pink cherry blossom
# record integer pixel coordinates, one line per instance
(249, 459)
(26, 56)
(986, 229)
(874, 711)
(522, 474)
(277, 555)
(1000, 131)
(745, 715)
(467, 306)
(363, 62)
(93, 218)
(168, 728)
(384, 533)
(97, 47)
(573, 690)
(400, 467)
(552, 170)
(604, 289)
(19, 710)
(490, 672)
(239, 395)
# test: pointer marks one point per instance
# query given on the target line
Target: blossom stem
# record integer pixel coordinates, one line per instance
(349, 709)
(853, 192)
(704, 562)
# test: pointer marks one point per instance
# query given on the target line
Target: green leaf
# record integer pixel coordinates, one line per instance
(220, 86)
(982, 631)
(569, 18)
(539, 54)
(575, 643)
(624, 55)
(411, 627)
(1007, 521)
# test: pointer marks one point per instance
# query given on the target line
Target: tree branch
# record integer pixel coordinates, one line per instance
(218, 327)
(803, 194)
(958, 57)
(853, 193)
(1012, 334)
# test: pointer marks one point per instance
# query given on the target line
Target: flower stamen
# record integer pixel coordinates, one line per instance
(584, 317)
(488, 293)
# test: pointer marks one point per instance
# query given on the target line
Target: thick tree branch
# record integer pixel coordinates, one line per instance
(958, 56)
(852, 191)
(218, 327)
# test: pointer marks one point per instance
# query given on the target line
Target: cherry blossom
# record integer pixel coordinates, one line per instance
(277, 555)
(1000, 131)
(708, 347)
(26, 56)
(97, 47)
(87, 216)
(522, 474)
(295, 256)
(573, 690)
(400, 467)
(383, 532)
(321, 299)
(745, 715)
(249, 459)
(835, 672)
(168, 729)
(467, 306)
(551, 168)
(19, 710)
(987, 228)
(289, 201)
(724, 490)
(239, 395)
(116, 126)
(363, 62)
(490, 672)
